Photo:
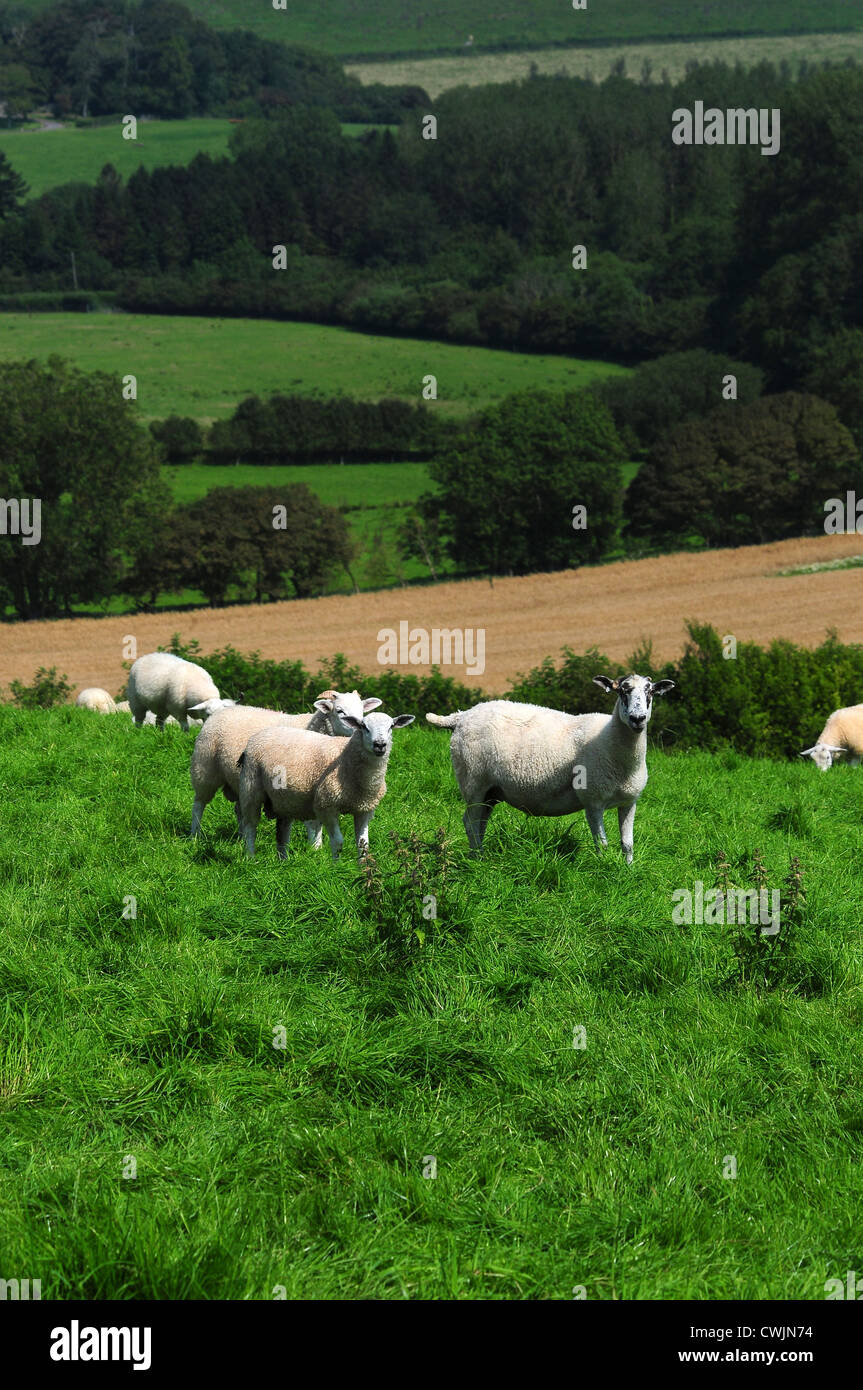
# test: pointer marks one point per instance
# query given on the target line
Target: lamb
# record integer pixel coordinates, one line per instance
(225, 735)
(168, 685)
(95, 698)
(296, 775)
(841, 739)
(547, 763)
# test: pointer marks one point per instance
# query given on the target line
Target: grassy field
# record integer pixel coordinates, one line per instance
(474, 69)
(46, 158)
(390, 26)
(373, 491)
(203, 367)
(339, 485)
(156, 1144)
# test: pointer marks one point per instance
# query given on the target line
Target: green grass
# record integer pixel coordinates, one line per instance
(46, 158)
(376, 488)
(152, 1038)
(339, 485)
(203, 367)
(850, 562)
(385, 26)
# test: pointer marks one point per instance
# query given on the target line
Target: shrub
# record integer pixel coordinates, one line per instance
(48, 689)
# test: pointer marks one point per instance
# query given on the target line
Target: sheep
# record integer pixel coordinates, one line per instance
(95, 698)
(225, 735)
(547, 763)
(841, 739)
(168, 685)
(296, 775)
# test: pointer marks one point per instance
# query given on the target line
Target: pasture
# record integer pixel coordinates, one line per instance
(203, 367)
(156, 1144)
(343, 27)
(46, 158)
(474, 69)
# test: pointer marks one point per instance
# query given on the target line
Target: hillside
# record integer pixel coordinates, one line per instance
(656, 59)
(46, 158)
(344, 27)
(614, 607)
(203, 367)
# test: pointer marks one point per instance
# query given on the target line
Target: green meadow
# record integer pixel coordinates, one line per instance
(46, 158)
(222, 1077)
(203, 367)
(345, 27)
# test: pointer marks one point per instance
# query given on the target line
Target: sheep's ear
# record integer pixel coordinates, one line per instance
(327, 695)
(352, 721)
(323, 706)
(661, 687)
(606, 683)
(835, 748)
(807, 751)
(200, 710)
(371, 704)
(401, 721)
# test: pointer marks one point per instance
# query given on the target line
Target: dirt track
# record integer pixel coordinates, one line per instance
(612, 607)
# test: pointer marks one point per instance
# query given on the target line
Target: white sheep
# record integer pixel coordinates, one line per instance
(841, 739)
(547, 763)
(225, 735)
(296, 775)
(169, 686)
(95, 698)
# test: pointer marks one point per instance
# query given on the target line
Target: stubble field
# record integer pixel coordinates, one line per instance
(614, 607)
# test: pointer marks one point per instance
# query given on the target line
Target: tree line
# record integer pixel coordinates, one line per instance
(91, 58)
(469, 236)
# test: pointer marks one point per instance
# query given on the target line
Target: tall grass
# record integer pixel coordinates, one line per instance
(145, 1042)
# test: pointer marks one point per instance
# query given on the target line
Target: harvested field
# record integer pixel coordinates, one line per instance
(613, 607)
(437, 75)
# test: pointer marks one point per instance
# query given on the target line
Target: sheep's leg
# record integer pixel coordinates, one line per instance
(251, 815)
(238, 814)
(597, 826)
(198, 807)
(475, 821)
(314, 833)
(283, 836)
(361, 828)
(334, 835)
(625, 819)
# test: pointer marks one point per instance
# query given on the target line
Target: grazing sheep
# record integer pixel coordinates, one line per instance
(296, 775)
(547, 763)
(226, 733)
(169, 686)
(841, 739)
(96, 699)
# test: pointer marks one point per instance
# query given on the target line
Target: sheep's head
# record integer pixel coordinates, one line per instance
(377, 731)
(339, 706)
(823, 755)
(634, 697)
(208, 707)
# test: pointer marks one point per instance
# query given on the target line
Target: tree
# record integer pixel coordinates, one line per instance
(17, 89)
(269, 542)
(12, 187)
(71, 444)
(744, 474)
(679, 386)
(837, 375)
(508, 491)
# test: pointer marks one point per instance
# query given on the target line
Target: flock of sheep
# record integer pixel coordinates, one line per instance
(319, 766)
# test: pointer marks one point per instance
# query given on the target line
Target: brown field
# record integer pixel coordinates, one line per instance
(613, 607)
(437, 75)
